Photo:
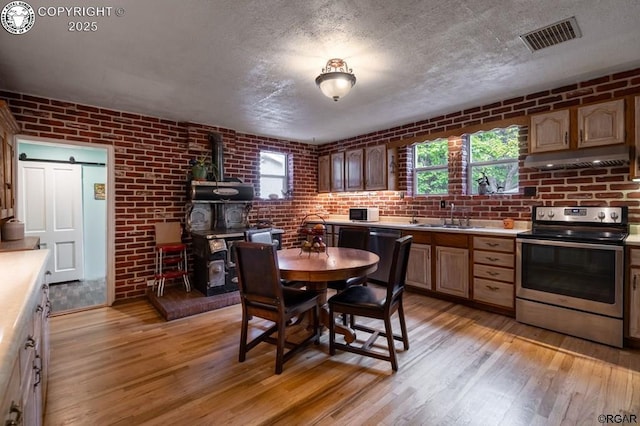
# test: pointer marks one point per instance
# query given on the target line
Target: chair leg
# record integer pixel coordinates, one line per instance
(403, 327)
(392, 346)
(243, 337)
(280, 347)
(332, 333)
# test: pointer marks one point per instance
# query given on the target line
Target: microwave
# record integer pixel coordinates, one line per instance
(364, 214)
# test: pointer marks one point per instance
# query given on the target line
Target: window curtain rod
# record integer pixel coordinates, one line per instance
(71, 160)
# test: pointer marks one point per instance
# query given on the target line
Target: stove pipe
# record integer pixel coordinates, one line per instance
(217, 155)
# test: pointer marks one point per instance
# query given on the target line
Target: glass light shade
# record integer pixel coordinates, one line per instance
(335, 85)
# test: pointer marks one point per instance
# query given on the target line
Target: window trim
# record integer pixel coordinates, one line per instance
(416, 169)
(472, 188)
(284, 177)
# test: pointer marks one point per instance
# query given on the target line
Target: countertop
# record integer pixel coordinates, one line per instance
(19, 294)
(478, 227)
(27, 243)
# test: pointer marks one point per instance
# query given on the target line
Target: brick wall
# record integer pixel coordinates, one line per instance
(152, 155)
(587, 187)
(151, 168)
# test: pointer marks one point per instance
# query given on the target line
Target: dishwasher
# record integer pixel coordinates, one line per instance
(381, 242)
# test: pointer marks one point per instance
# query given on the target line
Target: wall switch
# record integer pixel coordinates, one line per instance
(150, 283)
(443, 204)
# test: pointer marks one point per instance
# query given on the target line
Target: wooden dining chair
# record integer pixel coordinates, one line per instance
(378, 303)
(356, 237)
(264, 296)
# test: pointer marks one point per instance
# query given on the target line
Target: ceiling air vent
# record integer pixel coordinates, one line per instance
(552, 34)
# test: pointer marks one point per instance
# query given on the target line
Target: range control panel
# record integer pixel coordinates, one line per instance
(580, 214)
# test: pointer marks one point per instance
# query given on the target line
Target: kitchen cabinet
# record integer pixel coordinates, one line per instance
(419, 266)
(452, 271)
(25, 352)
(596, 125)
(375, 169)
(635, 164)
(337, 172)
(354, 173)
(549, 131)
(493, 271)
(601, 124)
(324, 173)
(8, 128)
(634, 294)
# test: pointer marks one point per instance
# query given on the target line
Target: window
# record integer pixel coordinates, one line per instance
(273, 175)
(493, 161)
(431, 171)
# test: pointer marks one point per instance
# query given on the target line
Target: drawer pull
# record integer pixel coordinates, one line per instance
(493, 288)
(30, 343)
(493, 244)
(15, 409)
(493, 273)
(492, 259)
(635, 281)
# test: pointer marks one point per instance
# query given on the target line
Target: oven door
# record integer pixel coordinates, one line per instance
(582, 276)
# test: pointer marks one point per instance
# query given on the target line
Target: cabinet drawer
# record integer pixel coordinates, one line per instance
(493, 292)
(495, 244)
(634, 257)
(493, 258)
(493, 273)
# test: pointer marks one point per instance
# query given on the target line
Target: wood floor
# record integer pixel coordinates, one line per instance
(126, 366)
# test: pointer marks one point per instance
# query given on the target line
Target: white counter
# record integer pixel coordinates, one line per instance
(19, 293)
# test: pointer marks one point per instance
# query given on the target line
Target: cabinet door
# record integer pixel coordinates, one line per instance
(634, 303)
(354, 170)
(452, 271)
(8, 128)
(419, 266)
(549, 131)
(324, 173)
(635, 164)
(375, 169)
(601, 124)
(337, 172)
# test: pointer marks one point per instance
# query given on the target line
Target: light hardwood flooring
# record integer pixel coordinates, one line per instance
(126, 366)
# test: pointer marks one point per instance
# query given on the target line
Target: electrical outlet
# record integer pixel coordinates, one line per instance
(150, 283)
(443, 204)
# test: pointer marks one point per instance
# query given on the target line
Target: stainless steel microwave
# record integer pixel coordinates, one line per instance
(364, 214)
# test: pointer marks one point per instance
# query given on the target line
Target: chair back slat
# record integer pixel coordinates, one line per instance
(258, 273)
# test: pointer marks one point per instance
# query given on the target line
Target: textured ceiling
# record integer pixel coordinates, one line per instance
(251, 65)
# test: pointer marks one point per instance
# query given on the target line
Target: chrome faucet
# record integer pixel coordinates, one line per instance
(452, 208)
(413, 220)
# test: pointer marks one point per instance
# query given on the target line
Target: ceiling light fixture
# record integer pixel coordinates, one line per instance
(336, 79)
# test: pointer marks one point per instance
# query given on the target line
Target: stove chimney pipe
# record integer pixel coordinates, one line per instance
(217, 155)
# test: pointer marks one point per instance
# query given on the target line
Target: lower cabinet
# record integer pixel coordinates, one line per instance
(633, 293)
(493, 271)
(419, 266)
(25, 395)
(634, 304)
(452, 271)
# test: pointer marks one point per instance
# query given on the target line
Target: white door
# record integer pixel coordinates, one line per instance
(51, 208)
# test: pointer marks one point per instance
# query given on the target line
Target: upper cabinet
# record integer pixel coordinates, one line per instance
(354, 173)
(337, 172)
(601, 124)
(375, 170)
(635, 164)
(549, 131)
(370, 169)
(8, 128)
(584, 127)
(324, 173)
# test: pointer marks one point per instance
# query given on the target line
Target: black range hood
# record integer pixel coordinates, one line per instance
(604, 156)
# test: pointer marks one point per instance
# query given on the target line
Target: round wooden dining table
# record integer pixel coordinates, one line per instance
(316, 269)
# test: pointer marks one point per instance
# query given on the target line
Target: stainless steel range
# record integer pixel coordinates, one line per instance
(570, 271)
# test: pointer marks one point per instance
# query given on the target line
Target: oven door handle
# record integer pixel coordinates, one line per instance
(570, 244)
